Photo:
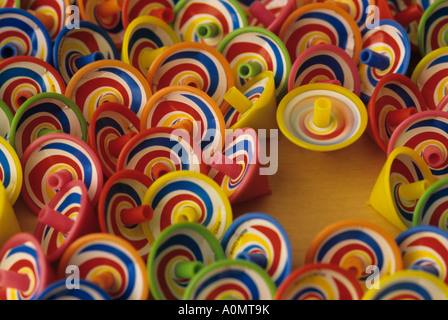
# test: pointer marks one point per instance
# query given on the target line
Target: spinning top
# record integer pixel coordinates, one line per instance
(109, 262)
(52, 161)
(394, 99)
(192, 64)
(322, 117)
(22, 34)
(319, 281)
(177, 255)
(261, 239)
(9, 225)
(187, 196)
(157, 151)
(11, 175)
(354, 245)
(84, 290)
(108, 81)
(75, 48)
(121, 211)
(403, 179)
(207, 21)
(252, 50)
(432, 33)
(111, 127)
(144, 39)
(45, 113)
(24, 77)
(68, 216)
(24, 269)
(325, 63)
(184, 107)
(135, 9)
(231, 280)
(424, 248)
(5, 120)
(237, 169)
(270, 14)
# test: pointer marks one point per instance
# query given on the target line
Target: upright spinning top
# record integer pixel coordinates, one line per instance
(322, 117)
(178, 254)
(24, 268)
(135, 9)
(432, 28)
(85, 291)
(9, 224)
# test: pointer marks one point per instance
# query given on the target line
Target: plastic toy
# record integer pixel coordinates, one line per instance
(135, 9)
(430, 209)
(10, 4)
(84, 290)
(108, 81)
(188, 108)
(9, 224)
(319, 281)
(52, 161)
(44, 113)
(424, 248)
(237, 169)
(144, 39)
(432, 28)
(178, 254)
(261, 239)
(75, 48)
(26, 76)
(443, 104)
(394, 99)
(322, 117)
(325, 63)
(193, 64)
(187, 196)
(354, 245)
(11, 175)
(23, 34)
(5, 120)
(409, 285)
(121, 210)
(24, 269)
(68, 216)
(207, 21)
(231, 280)
(254, 106)
(385, 49)
(318, 23)
(430, 75)
(109, 262)
(111, 127)
(158, 151)
(270, 14)
(425, 133)
(252, 50)
(401, 182)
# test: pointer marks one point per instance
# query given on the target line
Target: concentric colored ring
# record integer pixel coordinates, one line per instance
(348, 117)
(319, 281)
(161, 145)
(173, 104)
(260, 46)
(108, 81)
(134, 9)
(325, 62)
(24, 35)
(180, 243)
(182, 62)
(260, 234)
(225, 15)
(231, 279)
(146, 34)
(390, 40)
(431, 208)
(366, 242)
(84, 291)
(393, 92)
(9, 3)
(409, 285)
(99, 253)
(11, 174)
(176, 192)
(323, 22)
(433, 27)
(23, 77)
(124, 190)
(425, 248)
(110, 121)
(5, 120)
(45, 111)
(74, 43)
(52, 153)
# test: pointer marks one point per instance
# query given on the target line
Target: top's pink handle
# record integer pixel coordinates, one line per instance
(58, 179)
(15, 280)
(55, 219)
(259, 11)
(225, 165)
